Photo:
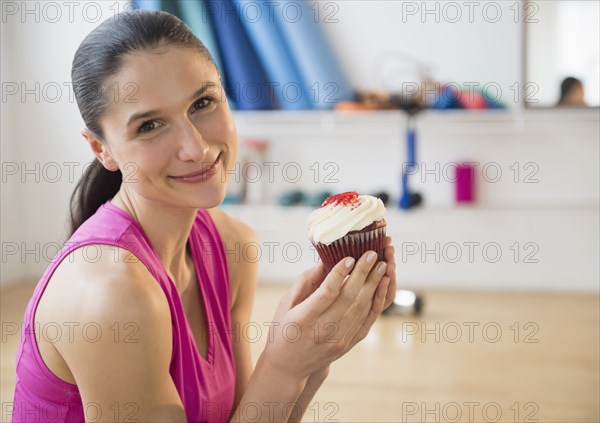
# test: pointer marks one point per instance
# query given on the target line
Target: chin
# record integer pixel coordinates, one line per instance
(211, 199)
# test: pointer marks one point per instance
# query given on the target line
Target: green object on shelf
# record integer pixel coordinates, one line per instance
(316, 200)
(171, 7)
(232, 199)
(291, 198)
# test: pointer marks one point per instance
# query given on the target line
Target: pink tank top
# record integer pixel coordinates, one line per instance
(206, 386)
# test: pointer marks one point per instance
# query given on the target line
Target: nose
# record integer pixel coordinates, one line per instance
(192, 146)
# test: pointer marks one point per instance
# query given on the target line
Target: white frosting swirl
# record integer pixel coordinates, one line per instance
(333, 221)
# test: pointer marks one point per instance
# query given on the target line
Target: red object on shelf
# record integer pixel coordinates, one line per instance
(256, 144)
(465, 183)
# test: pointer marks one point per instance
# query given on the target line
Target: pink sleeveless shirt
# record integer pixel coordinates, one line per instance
(206, 386)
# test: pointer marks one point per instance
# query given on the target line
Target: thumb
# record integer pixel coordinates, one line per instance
(308, 283)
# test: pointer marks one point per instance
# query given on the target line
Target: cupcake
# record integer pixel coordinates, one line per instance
(347, 224)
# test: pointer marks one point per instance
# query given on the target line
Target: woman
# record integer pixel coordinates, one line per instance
(144, 286)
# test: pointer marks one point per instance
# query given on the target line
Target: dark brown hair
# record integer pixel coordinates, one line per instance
(567, 85)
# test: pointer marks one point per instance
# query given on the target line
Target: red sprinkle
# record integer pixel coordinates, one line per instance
(345, 198)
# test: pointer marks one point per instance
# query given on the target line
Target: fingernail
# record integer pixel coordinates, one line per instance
(371, 257)
(381, 267)
(349, 262)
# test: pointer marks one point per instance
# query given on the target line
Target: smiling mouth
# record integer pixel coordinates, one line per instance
(208, 171)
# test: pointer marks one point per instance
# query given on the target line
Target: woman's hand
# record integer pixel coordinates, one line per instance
(322, 317)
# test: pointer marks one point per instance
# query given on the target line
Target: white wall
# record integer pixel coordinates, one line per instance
(460, 42)
(46, 133)
(468, 248)
(41, 126)
(11, 197)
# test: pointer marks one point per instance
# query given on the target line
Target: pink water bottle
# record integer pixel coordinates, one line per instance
(465, 183)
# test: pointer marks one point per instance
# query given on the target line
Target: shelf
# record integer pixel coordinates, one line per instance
(317, 122)
(460, 247)
(324, 123)
(317, 116)
(275, 218)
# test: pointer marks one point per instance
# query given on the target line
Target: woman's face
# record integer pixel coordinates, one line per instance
(169, 117)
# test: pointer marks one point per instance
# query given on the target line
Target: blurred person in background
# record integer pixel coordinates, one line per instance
(571, 93)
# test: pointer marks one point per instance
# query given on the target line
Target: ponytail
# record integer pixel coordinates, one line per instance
(96, 186)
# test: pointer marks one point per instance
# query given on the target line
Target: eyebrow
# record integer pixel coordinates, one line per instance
(149, 113)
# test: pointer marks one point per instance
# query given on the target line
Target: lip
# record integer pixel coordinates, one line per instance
(201, 175)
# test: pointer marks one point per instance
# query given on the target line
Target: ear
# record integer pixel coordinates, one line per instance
(100, 150)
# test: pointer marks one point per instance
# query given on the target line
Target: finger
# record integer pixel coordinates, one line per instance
(308, 282)
(391, 262)
(376, 308)
(354, 314)
(355, 283)
(328, 291)
(387, 241)
(303, 287)
(389, 257)
(391, 273)
(312, 279)
(389, 254)
(364, 298)
(391, 292)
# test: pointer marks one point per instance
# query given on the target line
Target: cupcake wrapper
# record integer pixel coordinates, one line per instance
(352, 245)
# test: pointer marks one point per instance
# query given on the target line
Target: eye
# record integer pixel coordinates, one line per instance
(147, 126)
(202, 103)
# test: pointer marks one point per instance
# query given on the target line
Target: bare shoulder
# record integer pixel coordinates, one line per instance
(100, 278)
(242, 249)
(101, 285)
(119, 314)
(230, 228)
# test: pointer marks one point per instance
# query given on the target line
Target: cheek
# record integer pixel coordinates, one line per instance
(222, 131)
(149, 162)
(231, 136)
(222, 128)
(233, 146)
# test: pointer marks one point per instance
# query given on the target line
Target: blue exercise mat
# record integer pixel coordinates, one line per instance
(195, 15)
(147, 4)
(246, 81)
(274, 54)
(321, 74)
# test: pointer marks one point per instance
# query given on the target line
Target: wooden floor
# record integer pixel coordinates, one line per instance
(472, 357)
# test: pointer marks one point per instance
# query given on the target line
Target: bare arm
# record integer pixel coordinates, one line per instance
(123, 374)
(264, 393)
(244, 275)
